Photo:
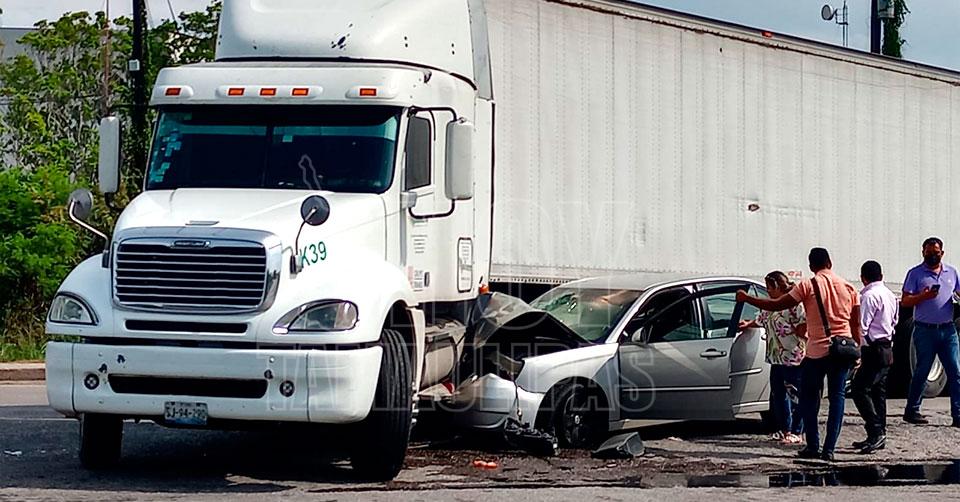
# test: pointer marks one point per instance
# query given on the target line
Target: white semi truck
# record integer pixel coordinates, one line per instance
(325, 202)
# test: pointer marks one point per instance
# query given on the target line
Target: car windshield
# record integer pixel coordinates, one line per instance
(591, 313)
(337, 148)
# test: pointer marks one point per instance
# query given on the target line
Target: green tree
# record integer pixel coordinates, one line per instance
(892, 41)
(51, 101)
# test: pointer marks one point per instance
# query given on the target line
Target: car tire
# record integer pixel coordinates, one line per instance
(384, 435)
(577, 417)
(101, 438)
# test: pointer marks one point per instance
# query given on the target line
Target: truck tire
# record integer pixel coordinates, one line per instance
(101, 437)
(936, 379)
(905, 361)
(385, 433)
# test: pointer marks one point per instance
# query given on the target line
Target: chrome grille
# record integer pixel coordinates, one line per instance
(225, 276)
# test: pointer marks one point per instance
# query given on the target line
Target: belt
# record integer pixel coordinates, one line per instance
(883, 342)
(932, 326)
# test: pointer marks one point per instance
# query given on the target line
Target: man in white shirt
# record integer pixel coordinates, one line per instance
(879, 313)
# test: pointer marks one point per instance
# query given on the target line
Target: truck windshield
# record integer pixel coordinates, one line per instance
(337, 148)
(591, 313)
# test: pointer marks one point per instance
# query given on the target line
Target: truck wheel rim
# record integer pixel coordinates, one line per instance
(936, 371)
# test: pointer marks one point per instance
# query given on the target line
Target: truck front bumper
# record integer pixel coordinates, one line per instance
(331, 387)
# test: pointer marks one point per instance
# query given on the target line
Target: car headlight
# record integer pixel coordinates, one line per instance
(322, 316)
(69, 309)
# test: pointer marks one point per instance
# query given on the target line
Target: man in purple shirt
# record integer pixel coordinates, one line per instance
(929, 288)
(879, 311)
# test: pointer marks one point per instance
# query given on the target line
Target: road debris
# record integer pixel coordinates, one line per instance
(622, 446)
(16, 453)
(481, 464)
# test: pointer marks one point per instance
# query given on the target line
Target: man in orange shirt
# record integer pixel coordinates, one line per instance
(841, 307)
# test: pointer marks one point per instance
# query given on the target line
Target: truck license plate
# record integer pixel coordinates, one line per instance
(185, 413)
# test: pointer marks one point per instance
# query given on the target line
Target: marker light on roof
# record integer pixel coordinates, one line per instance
(268, 91)
(235, 91)
(301, 91)
(172, 91)
(368, 92)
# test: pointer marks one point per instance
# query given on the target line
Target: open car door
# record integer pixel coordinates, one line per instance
(676, 355)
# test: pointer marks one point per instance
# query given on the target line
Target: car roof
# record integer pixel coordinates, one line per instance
(642, 282)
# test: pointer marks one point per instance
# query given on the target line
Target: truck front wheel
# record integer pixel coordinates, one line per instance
(385, 434)
(100, 439)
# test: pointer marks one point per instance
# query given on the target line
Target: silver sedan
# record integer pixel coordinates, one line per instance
(594, 355)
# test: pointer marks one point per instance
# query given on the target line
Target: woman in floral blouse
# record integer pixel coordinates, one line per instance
(786, 346)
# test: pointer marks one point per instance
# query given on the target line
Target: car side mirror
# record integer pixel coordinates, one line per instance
(459, 160)
(640, 336)
(109, 168)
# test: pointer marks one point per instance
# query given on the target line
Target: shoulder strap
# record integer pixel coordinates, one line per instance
(823, 311)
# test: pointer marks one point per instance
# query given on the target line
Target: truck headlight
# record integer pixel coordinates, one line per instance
(70, 309)
(321, 316)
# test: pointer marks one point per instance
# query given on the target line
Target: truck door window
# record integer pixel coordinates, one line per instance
(418, 154)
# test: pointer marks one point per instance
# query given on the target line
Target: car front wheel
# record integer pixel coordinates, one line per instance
(577, 418)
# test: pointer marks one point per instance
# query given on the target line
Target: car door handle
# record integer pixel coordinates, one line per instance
(713, 354)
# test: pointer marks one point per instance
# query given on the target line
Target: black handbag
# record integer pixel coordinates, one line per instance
(843, 349)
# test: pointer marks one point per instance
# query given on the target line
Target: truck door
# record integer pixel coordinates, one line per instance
(419, 185)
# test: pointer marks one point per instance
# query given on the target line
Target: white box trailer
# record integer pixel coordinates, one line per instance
(631, 139)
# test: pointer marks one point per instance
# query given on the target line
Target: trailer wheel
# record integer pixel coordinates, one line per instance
(385, 433)
(577, 416)
(101, 437)
(936, 379)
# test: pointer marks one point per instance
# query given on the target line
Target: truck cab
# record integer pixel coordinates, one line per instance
(315, 219)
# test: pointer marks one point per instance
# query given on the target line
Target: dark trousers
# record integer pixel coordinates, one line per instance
(813, 372)
(869, 387)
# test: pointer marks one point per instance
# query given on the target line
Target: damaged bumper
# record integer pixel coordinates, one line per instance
(332, 387)
(488, 402)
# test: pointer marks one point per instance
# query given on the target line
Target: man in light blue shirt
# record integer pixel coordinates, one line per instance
(929, 289)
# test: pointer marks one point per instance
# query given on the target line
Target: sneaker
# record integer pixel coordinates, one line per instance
(827, 456)
(915, 419)
(777, 436)
(874, 445)
(792, 439)
(808, 453)
(859, 445)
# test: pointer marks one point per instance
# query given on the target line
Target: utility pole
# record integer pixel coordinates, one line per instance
(876, 28)
(137, 68)
(105, 91)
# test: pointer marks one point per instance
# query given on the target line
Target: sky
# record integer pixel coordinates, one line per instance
(931, 28)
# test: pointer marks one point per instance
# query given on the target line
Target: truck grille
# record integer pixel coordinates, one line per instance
(227, 276)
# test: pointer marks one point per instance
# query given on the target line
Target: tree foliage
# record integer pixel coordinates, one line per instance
(892, 40)
(51, 101)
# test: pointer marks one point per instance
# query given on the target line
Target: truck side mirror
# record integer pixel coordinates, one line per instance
(109, 171)
(459, 165)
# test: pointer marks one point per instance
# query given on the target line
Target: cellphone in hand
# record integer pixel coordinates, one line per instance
(935, 288)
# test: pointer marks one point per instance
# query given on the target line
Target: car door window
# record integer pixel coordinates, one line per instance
(677, 323)
(719, 308)
(669, 316)
(718, 314)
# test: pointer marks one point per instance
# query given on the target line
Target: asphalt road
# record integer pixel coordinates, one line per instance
(684, 462)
